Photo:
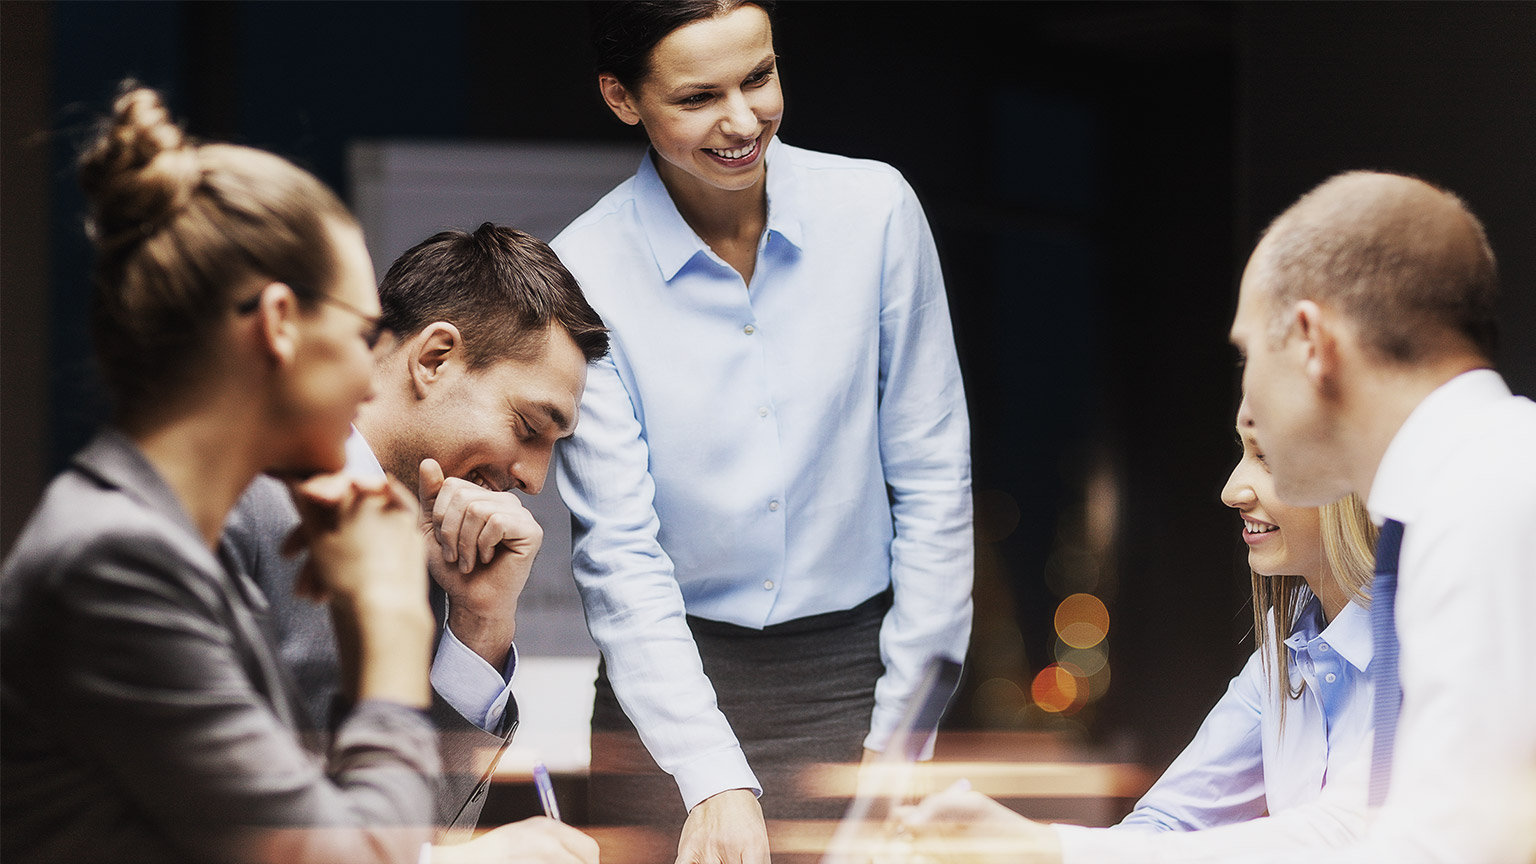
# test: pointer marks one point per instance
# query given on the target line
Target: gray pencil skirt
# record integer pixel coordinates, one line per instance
(796, 694)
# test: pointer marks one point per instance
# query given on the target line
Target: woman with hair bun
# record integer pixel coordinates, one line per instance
(147, 717)
(770, 484)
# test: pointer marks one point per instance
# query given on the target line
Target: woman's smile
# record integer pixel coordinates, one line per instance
(739, 156)
(1256, 532)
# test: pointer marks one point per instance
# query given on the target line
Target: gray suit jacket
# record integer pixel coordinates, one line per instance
(146, 715)
(261, 522)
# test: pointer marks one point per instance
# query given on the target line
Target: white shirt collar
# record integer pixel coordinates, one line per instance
(1426, 439)
(360, 459)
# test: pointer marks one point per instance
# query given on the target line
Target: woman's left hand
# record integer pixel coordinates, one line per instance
(725, 828)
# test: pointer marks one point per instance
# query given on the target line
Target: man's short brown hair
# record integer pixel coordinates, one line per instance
(502, 288)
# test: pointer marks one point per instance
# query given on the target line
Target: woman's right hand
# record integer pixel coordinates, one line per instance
(962, 826)
(367, 559)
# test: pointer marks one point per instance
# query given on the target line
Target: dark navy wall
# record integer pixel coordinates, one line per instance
(95, 45)
(301, 79)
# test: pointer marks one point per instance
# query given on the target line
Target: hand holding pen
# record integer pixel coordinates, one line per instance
(531, 841)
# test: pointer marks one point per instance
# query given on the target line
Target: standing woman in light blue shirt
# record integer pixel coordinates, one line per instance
(770, 483)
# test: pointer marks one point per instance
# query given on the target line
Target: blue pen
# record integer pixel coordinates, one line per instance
(546, 791)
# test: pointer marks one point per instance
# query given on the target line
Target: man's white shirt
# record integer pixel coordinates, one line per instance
(1460, 474)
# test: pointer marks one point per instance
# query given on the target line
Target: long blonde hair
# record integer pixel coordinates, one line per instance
(1349, 550)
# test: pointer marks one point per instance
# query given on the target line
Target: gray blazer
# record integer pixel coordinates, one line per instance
(146, 715)
(261, 522)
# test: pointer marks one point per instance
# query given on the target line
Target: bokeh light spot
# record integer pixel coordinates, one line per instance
(1082, 621)
(1071, 570)
(1089, 660)
(997, 515)
(998, 701)
(1098, 682)
(1054, 689)
(1081, 684)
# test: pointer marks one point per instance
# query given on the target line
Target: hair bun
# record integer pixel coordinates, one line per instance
(140, 170)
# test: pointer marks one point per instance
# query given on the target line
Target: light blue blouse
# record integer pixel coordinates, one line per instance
(1242, 763)
(759, 453)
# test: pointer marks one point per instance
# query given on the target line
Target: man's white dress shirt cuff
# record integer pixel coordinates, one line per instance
(714, 773)
(472, 686)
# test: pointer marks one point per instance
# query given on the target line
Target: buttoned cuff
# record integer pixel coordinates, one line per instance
(472, 686)
(714, 773)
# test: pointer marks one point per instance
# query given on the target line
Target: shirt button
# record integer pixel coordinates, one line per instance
(1322, 646)
(749, 329)
(773, 505)
(1330, 677)
(768, 585)
(762, 411)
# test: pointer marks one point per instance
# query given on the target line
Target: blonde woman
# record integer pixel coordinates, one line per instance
(1296, 717)
(1302, 703)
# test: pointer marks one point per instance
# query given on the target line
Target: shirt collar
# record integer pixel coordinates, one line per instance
(360, 459)
(674, 243)
(1426, 439)
(1308, 622)
(1348, 634)
(783, 197)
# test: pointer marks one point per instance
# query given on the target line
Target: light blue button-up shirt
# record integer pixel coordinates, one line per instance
(756, 454)
(1243, 762)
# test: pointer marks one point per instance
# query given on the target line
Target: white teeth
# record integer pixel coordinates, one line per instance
(738, 152)
(1258, 527)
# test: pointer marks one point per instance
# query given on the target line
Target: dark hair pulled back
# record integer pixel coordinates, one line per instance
(624, 31)
(178, 227)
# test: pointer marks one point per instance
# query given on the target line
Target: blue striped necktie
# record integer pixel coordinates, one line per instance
(1389, 690)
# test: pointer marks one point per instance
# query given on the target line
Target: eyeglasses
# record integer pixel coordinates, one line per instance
(375, 333)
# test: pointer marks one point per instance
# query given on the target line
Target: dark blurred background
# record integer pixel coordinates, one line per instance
(1095, 174)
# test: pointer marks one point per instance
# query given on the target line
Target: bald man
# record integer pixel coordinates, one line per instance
(1366, 322)
(1366, 319)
